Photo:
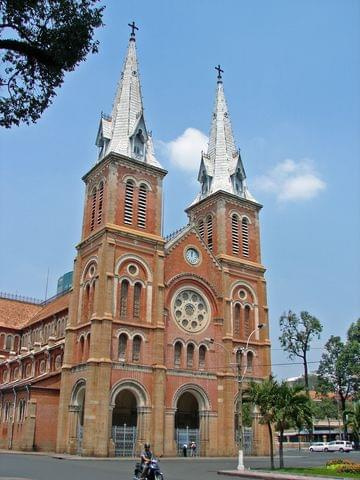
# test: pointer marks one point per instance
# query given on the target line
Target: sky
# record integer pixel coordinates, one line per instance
(292, 83)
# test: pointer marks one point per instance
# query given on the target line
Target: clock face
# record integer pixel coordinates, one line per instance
(192, 256)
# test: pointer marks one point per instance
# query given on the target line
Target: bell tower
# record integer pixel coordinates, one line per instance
(118, 270)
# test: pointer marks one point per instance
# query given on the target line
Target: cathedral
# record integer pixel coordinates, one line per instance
(157, 336)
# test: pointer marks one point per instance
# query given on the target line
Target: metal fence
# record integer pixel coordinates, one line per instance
(124, 438)
(184, 436)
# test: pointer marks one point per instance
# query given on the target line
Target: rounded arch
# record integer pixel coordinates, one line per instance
(243, 283)
(138, 390)
(198, 392)
(245, 217)
(79, 385)
(146, 184)
(130, 256)
(91, 260)
(127, 178)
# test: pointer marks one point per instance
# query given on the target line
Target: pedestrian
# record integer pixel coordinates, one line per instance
(185, 447)
(193, 449)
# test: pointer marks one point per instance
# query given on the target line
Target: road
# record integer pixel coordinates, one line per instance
(41, 467)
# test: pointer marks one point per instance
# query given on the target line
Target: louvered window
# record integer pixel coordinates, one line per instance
(93, 209)
(201, 228)
(124, 298)
(237, 311)
(122, 346)
(247, 320)
(129, 200)
(136, 349)
(202, 356)
(137, 299)
(209, 232)
(101, 200)
(142, 206)
(245, 236)
(190, 356)
(235, 234)
(177, 354)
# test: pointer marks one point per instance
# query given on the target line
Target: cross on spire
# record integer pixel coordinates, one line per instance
(133, 28)
(218, 68)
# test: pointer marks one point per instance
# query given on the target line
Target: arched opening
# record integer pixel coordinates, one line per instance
(78, 402)
(202, 356)
(123, 338)
(187, 422)
(124, 422)
(177, 354)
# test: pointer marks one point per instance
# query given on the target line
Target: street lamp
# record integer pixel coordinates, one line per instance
(240, 379)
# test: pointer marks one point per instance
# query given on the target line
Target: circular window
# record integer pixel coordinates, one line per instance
(133, 269)
(242, 294)
(191, 310)
(92, 271)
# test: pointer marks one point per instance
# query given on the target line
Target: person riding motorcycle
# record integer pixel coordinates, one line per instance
(146, 457)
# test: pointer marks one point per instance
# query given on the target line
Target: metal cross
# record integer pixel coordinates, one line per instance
(218, 68)
(133, 28)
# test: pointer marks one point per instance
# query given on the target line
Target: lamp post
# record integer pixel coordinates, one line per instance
(240, 379)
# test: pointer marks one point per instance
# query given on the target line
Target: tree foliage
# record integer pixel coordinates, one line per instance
(353, 421)
(296, 337)
(40, 41)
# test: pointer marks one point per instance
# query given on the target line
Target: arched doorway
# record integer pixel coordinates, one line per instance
(187, 425)
(78, 407)
(124, 423)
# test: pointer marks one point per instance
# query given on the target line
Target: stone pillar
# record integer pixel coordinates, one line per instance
(204, 433)
(111, 446)
(73, 419)
(29, 427)
(169, 433)
(142, 429)
(158, 415)
(260, 436)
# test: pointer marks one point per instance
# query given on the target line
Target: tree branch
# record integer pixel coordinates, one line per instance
(29, 51)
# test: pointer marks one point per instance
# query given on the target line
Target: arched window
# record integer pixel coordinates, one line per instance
(239, 357)
(249, 361)
(237, 312)
(202, 356)
(247, 325)
(86, 303)
(177, 354)
(122, 346)
(190, 356)
(81, 349)
(235, 234)
(142, 206)
(9, 342)
(93, 209)
(101, 201)
(124, 298)
(201, 229)
(21, 410)
(129, 200)
(209, 232)
(136, 348)
(137, 300)
(245, 236)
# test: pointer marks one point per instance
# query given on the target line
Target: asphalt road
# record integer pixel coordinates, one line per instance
(41, 467)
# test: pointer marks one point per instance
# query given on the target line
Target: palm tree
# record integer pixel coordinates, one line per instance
(263, 395)
(293, 408)
(353, 421)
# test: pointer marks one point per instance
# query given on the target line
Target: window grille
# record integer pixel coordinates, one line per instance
(202, 356)
(142, 206)
(93, 209)
(177, 354)
(124, 298)
(136, 349)
(101, 200)
(129, 198)
(201, 229)
(209, 232)
(235, 234)
(190, 356)
(237, 311)
(247, 320)
(137, 300)
(122, 346)
(245, 236)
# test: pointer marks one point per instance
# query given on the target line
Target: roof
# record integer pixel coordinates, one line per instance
(15, 313)
(58, 305)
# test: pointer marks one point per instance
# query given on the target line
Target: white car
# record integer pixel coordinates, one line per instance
(339, 446)
(318, 447)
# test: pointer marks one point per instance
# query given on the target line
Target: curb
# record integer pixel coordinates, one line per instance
(268, 475)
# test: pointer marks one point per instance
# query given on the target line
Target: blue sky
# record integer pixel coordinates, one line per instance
(292, 82)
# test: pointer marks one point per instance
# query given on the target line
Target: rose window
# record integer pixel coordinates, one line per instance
(191, 311)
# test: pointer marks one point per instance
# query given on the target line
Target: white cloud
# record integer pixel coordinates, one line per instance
(185, 151)
(292, 181)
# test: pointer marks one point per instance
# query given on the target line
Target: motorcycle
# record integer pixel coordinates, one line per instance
(153, 473)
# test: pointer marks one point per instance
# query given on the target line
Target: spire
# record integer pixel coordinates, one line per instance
(125, 130)
(221, 167)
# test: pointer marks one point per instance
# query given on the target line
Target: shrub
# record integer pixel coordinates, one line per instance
(348, 468)
(339, 461)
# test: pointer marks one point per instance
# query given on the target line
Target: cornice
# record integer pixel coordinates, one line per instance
(242, 263)
(219, 195)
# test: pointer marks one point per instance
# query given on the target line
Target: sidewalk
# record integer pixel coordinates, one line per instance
(270, 475)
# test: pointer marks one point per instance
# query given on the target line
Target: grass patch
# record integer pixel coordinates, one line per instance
(320, 471)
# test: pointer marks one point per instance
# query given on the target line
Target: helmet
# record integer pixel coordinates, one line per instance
(147, 445)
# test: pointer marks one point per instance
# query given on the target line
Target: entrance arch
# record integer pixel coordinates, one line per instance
(130, 412)
(78, 407)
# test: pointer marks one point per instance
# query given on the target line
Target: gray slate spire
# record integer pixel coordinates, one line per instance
(125, 130)
(221, 167)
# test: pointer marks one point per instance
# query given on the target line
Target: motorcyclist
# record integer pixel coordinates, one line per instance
(146, 457)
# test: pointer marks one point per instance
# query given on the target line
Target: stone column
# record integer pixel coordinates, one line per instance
(73, 418)
(111, 441)
(204, 433)
(169, 434)
(142, 429)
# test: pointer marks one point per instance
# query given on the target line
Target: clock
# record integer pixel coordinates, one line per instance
(192, 256)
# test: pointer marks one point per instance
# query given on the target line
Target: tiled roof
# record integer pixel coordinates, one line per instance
(16, 314)
(58, 305)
